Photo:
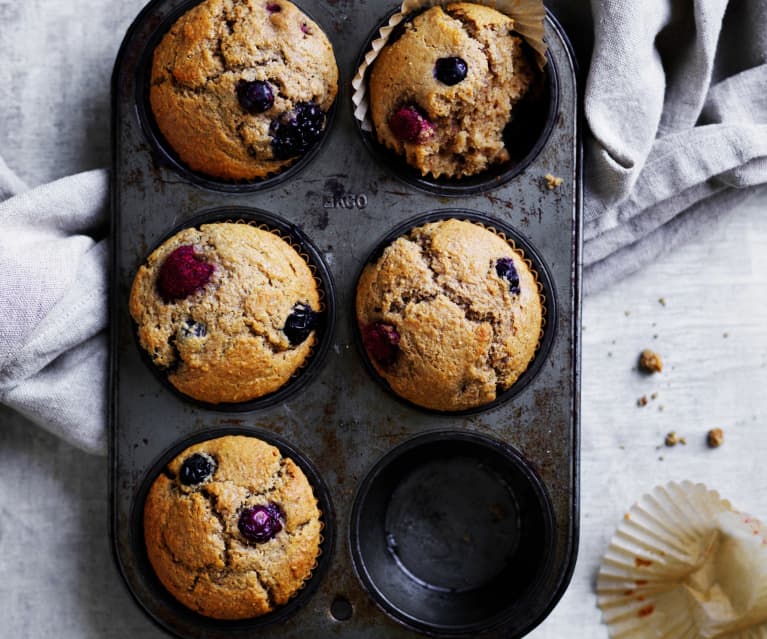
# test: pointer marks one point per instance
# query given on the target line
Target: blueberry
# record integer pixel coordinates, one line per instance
(506, 269)
(260, 523)
(381, 341)
(196, 469)
(409, 124)
(193, 329)
(256, 96)
(299, 324)
(295, 132)
(273, 7)
(182, 273)
(450, 71)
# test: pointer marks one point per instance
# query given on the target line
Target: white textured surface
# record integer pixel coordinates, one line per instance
(57, 578)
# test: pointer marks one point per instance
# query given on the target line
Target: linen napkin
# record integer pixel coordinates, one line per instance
(676, 100)
(53, 296)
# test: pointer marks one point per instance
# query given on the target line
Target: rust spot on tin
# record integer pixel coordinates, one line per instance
(234, 421)
(646, 611)
(642, 562)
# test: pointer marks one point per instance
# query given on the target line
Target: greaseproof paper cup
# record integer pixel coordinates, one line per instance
(684, 564)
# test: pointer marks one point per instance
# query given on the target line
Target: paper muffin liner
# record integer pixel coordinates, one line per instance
(684, 564)
(528, 16)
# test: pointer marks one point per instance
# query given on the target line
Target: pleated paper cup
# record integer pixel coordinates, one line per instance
(528, 16)
(684, 564)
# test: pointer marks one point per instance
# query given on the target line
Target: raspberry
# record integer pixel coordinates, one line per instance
(410, 125)
(381, 341)
(182, 273)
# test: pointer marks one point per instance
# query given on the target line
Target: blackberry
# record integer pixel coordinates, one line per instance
(295, 132)
(256, 96)
(299, 324)
(196, 469)
(450, 71)
(260, 523)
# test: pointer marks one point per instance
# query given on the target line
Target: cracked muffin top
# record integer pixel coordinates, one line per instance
(228, 311)
(450, 315)
(442, 91)
(240, 88)
(232, 528)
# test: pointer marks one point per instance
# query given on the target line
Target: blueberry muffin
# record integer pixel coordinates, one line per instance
(232, 528)
(228, 311)
(449, 315)
(442, 91)
(240, 90)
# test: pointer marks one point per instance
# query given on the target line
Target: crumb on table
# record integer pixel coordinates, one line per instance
(552, 181)
(642, 401)
(715, 438)
(650, 362)
(671, 439)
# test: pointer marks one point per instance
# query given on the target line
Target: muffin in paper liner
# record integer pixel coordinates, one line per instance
(684, 564)
(528, 333)
(191, 531)
(528, 15)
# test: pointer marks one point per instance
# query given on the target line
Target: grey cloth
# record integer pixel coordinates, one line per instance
(676, 99)
(53, 292)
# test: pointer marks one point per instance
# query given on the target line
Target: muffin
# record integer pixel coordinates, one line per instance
(227, 311)
(232, 528)
(450, 315)
(442, 91)
(240, 90)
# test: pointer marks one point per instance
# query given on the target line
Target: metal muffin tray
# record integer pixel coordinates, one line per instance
(434, 524)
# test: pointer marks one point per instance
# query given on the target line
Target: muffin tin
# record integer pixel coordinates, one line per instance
(403, 554)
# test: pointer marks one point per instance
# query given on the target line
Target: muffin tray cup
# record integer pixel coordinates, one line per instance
(338, 421)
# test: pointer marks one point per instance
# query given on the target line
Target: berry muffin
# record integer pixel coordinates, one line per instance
(442, 91)
(240, 90)
(228, 311)
(450, 315)
(232, 528)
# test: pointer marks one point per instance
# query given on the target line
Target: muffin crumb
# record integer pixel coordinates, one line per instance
(552, 182)
(662, 301)
(671, 439)
(642, 401)
(650, 361)
(715, 438)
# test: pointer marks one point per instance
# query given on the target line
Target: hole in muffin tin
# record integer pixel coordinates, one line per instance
(451, 534)
(172, 614)
(326, 317)
(545, 282)
(531, 127)
(164, 153)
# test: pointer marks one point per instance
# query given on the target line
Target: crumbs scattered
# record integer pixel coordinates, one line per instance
(725, 335)
(662, 301)
(715, 438)
(654, 396)
(552, 182)
(650, 361)
(642, 401)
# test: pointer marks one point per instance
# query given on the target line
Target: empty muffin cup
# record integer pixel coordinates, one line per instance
(210, 559)
(234, 310)
(220, 102)
(451, 533)
(455, 312)
(424, 143)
